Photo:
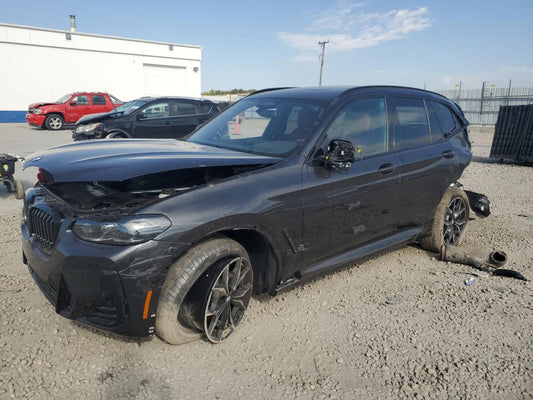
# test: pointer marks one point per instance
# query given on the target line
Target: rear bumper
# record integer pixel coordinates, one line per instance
(35, 119)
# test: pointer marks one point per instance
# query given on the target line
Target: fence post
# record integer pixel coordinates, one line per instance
(509, 93)
(481, 106)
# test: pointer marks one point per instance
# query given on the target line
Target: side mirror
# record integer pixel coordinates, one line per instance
(73, 103)
(340, 155)
(141, 116)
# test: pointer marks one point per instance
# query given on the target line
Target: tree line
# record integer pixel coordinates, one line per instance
(214, 92)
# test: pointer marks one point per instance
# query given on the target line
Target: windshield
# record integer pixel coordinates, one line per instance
(64, 99)
(259, 125)
(130, 106)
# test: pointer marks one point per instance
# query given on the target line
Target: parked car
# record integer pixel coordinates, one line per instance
(69, 108)
(147, 117)
(171, 237)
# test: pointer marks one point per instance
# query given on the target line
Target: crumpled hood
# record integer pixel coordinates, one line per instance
(97, 117)
(118, 160)
(40, 104)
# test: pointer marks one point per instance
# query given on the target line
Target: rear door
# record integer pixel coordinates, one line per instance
(344, 209)
(426, 161)
(186, 115)
(99, 104)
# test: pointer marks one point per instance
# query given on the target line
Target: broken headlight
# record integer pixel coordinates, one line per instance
(133, 229)
(88, 128)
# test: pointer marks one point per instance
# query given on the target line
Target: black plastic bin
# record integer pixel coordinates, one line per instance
(513, 134)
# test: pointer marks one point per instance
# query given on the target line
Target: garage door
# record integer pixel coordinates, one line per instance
(162, 80)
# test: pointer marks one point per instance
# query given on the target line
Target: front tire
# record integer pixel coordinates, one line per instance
(450, 221)
(115, 135)
(187, 305)
(54, 122)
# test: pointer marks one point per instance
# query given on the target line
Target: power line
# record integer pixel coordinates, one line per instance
(323, 44)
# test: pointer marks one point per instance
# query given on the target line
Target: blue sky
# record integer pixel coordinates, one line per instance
(251, 44)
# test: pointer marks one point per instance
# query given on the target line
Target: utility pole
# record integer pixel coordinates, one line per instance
(323, 44)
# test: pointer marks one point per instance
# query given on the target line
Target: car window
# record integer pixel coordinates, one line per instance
(436, 131)
(364, 124)
(184, 108)
(114, 100)
(206, 107)
(98, 99)
(64, 99)
(446, 117)
(156, 110)
(130, 107)
(413, 129)
(268, 126)
(81, 100)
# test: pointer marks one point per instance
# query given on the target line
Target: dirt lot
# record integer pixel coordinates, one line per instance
(402, 325)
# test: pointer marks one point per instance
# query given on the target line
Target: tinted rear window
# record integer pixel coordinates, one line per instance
(98, 99)
(446, 117)
(184, 108)
(436, 130)
(413, 129)
(206, 107)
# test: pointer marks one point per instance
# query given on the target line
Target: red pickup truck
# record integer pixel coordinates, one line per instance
(69, 108)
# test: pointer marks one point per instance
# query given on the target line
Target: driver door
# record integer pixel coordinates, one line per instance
(344, 209)
(153, 121)
(76, 108)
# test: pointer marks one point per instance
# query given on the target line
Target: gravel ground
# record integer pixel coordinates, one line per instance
(401, 325)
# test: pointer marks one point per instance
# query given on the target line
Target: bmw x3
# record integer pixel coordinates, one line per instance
(172, 237)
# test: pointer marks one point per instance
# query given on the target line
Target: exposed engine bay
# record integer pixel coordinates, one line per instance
(132, 194)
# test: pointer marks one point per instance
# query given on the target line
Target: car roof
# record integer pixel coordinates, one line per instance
(89, 92)
(150, 98)
(329, 93)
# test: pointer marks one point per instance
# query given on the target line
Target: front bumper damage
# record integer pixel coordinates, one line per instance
(115, 288)
(35, 119)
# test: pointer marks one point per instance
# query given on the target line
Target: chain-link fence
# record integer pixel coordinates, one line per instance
(481, 106)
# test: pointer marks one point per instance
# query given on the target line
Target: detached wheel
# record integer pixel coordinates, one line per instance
(450, 221)
(54, 122)
(207, 291)
(19, 189)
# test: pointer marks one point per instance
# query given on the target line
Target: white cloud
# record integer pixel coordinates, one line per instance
(347, 29)
(339, 17)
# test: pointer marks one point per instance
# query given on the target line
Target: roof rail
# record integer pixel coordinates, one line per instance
(271, 89)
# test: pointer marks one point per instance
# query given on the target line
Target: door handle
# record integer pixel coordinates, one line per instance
(386, 168)
(167, 122)
(448, 154)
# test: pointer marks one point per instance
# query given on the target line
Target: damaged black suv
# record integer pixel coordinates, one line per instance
(172, 237)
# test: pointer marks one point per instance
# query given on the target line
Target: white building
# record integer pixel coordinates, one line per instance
(38, 64)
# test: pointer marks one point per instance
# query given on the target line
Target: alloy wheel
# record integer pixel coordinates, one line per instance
(228, 299)
(454, 221)
(55, 122)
